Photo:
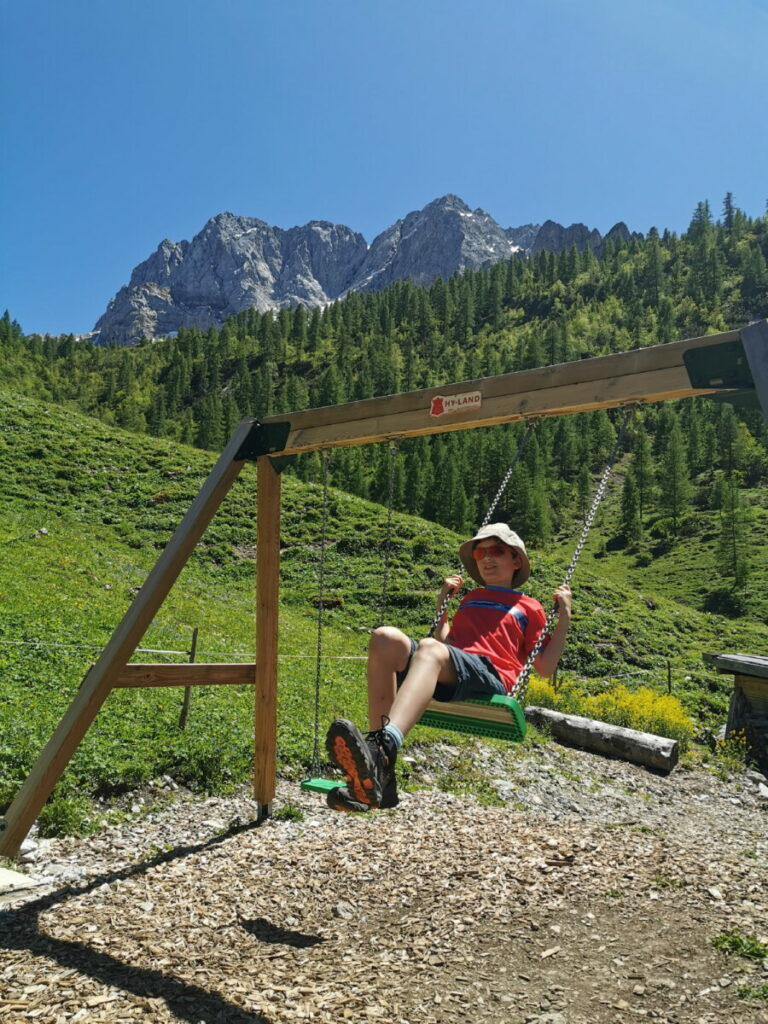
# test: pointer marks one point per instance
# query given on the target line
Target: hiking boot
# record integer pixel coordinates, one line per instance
(382, 756)
(340, 799)
(384, 751)
(362, 763)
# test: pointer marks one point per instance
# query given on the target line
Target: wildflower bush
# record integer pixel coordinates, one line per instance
(642, 709)
(731, 753)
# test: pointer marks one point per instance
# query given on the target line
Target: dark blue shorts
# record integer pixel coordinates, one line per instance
(475, 676)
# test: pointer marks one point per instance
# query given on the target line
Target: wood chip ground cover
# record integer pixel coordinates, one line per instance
(439, 912)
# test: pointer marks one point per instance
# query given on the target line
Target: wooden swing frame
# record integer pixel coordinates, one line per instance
(733, 364)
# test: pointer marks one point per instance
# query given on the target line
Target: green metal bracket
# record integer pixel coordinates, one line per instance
(755, 340)
(719, 366)
(264, 439)
(737, 368)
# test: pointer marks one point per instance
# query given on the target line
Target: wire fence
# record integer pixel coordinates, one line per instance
(244, 657)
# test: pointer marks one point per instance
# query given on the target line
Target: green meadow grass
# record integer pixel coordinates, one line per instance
(85, 510)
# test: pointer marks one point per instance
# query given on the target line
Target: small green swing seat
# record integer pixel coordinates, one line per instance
(321, 785)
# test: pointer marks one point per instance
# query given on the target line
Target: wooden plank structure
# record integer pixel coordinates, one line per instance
(748, 710)
(733, 365)
(136, 676)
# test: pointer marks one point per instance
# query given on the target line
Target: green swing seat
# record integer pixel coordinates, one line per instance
(497, 716)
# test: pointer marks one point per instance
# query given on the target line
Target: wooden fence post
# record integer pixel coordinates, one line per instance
(188, 689)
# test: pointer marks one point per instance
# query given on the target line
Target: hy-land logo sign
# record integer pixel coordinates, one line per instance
(443, 405)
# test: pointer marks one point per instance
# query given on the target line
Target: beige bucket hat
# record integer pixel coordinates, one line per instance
(503, 533)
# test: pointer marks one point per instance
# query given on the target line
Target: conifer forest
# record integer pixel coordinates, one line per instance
(679, 459)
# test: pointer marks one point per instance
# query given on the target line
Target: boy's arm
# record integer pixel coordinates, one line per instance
(546, 663)
(450, 585)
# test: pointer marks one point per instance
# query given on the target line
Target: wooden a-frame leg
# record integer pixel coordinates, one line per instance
(97, 685)
(267, 598)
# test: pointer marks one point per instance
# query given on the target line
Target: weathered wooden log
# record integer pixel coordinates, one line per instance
(626, 744)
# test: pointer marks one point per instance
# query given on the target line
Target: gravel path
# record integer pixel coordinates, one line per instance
(592, 895)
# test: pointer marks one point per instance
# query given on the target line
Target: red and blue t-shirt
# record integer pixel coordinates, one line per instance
(501, 624)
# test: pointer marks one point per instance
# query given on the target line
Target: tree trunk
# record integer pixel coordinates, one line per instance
(627, 744)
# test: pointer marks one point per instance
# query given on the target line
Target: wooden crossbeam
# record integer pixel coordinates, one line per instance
(137, 676)
(652, 374)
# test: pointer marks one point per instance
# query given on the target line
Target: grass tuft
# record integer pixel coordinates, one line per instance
(736, 944)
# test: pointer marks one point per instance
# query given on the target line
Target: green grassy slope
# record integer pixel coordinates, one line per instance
(84, 511)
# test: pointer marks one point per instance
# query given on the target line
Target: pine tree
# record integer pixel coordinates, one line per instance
(156, 416)
(564, 449)
(675, 490)
(532, 352)
(642, 470)
(584, 489)
(732, 554)
(691, 421)
(631, 521)
(754, 288)
(464, 316)
(653, 278)
(329, 390)
(210, 430)
(263, 389)
(314, 331)
(717, 492)
(537, 523)
(603, 437)
(230, 418)
(728, 211)
(730, 441)
(185, 427)
(299, 333)
(416, 476)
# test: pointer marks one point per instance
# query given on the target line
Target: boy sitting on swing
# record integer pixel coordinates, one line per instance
(482, 652)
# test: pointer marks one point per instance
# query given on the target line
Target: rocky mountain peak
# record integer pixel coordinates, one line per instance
(236, 262)
(437, 241)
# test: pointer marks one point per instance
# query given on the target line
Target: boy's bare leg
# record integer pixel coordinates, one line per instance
(388, 653)
(431, 664)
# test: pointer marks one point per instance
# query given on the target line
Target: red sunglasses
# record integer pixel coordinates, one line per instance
(494, 550)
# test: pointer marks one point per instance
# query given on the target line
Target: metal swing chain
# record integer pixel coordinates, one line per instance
(388, 544)
(315, 765)
(531, 425)
(521, 684)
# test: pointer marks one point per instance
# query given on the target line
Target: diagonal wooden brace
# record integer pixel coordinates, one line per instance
(104, 675)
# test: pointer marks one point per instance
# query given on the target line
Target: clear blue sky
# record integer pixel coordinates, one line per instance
(128, 121)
